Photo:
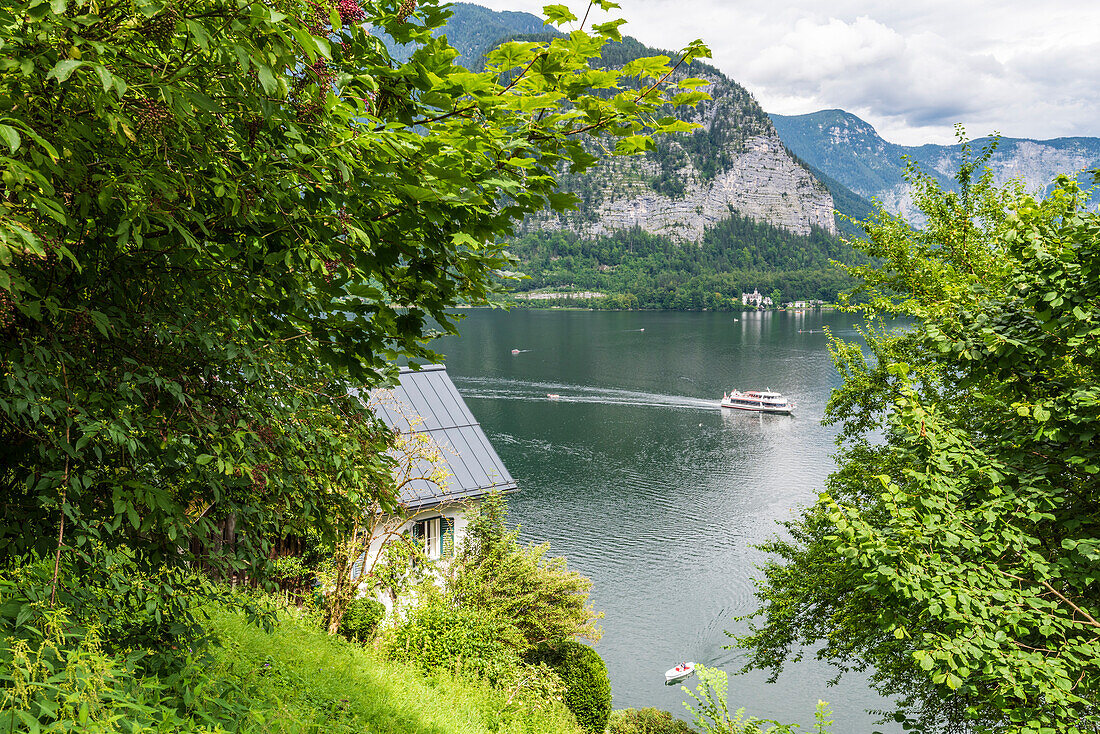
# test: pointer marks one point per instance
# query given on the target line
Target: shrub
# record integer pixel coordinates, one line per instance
(361, 618)
(437, 636)
(539, 596)
(646, 721)
(587, 687)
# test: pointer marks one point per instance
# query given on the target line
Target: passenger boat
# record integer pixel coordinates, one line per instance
(681, 671)
(758, 401)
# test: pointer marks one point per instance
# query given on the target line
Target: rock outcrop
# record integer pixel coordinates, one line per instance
(763, 183)
(734, 162)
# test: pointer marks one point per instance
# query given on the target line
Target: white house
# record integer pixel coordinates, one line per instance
(450, 469)
(755, 299)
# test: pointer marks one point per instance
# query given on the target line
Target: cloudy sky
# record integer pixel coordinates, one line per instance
(913, 68)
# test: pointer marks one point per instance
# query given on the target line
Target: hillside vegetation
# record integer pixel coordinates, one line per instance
(640, 270)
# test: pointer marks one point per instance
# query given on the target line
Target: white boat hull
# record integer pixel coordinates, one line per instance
(761, 409)
(673, 675)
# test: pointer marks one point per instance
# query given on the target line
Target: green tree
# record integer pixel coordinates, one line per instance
(956, 557)
(539, 596)
(221, 218)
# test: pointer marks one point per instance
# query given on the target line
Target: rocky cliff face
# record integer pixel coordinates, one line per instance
(762, 182)
(734, 162)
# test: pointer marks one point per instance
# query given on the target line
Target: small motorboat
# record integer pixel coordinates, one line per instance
(515, 351)
(681, 671)
(552, 396)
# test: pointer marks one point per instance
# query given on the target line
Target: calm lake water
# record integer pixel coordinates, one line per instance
(650, 489)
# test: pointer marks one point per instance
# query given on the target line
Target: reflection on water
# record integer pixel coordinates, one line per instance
(646, 485)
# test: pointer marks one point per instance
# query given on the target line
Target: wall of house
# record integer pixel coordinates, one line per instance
(391, 528)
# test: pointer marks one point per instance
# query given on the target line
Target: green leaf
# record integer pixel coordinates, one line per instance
(101, 321)
(11, 137)
(609, 30)
(557, 14)
(62, 69)
(267, 78)
(199, 33)
(634, 144)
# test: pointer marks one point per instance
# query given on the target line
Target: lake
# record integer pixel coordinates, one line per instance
(654, 492)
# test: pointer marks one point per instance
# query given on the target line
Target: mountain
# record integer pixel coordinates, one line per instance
(849, 150)
(704, 216)
(734, 162)
(472, 30)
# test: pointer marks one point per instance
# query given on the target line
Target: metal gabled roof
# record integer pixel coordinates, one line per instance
(427, 402)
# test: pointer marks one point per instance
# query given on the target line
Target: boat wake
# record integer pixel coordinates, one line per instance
(502, 389)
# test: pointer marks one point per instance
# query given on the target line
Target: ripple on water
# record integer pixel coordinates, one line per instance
(647, 487)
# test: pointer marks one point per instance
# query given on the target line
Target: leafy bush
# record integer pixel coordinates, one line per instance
(438, 636)
(539, 596)
(712, 715)
(646, 721)
(133, 612)
(587, 687)
(64, 681)
(361, 619)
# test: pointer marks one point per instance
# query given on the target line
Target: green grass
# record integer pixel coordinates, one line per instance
(298, 679)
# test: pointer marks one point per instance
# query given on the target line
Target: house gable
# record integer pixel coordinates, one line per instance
(426, 402)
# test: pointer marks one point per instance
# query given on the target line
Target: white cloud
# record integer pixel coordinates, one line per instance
(911, 69)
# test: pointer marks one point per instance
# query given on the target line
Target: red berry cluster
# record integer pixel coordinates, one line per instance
(259, 477)
(264, 432)
(161, 26)
(321, 71)
(406, 9)
(252, 126)
(350, 11)
(307, 110)
(316, 19)
(330, 270)
(81, 323)
(7, 311)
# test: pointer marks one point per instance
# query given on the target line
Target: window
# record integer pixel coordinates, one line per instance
(436, 536)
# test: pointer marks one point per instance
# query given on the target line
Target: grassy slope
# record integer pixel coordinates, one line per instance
(298, 679)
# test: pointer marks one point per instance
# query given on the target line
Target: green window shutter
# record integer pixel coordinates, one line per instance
(447, 541)
(417, 531)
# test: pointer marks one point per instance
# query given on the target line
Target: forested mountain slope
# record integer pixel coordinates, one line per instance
(734, 162)
(692, 222)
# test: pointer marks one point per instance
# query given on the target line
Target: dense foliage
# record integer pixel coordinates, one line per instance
(645, 721)
(361, 618)
(538, 597)
(219, 218)
(500, 602)
(710, 709)
(436, 635)
(956, 556)
(737, 255)
(294, 679)
(587, 687)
